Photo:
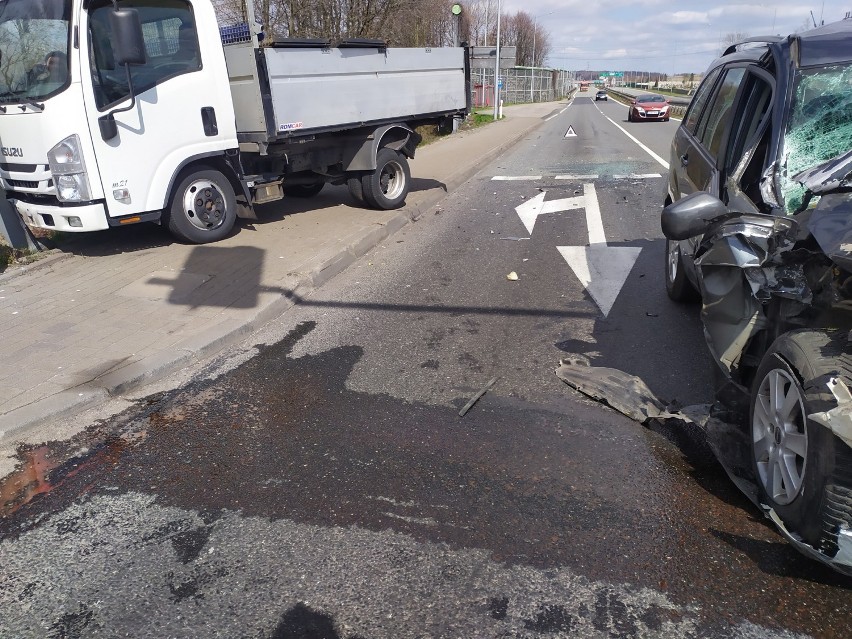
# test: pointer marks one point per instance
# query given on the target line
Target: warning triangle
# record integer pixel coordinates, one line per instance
(570, 132)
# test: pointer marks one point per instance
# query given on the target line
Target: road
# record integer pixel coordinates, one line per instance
(319, 481)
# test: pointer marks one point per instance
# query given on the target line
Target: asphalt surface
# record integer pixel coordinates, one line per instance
(319, 482)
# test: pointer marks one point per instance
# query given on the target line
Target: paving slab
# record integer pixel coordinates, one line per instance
(109, 312)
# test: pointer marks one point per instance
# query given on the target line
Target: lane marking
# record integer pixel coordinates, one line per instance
(641, 145)
(594, 220)
(601, 269)
(529, 211)
(550, 117)
(570, 132)
(590, 176)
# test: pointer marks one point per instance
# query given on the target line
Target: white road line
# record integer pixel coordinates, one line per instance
(642, 146)
(637, 176)
(577, 177)
(593, 215)
(516, 178)
(550, 117)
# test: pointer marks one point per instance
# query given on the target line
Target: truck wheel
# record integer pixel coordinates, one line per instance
(678, 286)
(803, 471)
(203, 207)
(303, 190)
(386, 187)
(356, 190)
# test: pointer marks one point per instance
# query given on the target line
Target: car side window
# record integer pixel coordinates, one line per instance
(750, 138)
(698, 102)
(714, 120)
(752, 111)
(171, 45)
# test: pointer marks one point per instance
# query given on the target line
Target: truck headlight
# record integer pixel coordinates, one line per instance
(69, 171)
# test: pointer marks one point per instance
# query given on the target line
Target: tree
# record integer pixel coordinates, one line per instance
(732, 38)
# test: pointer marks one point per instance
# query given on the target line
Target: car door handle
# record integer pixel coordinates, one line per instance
(684, 159)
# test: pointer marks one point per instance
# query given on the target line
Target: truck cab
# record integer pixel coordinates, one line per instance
(63, 85)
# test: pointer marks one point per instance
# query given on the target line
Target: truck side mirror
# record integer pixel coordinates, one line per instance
(128, 43)
(109, 129)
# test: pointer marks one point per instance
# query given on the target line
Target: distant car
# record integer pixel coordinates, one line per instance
(649, 107)
(600, 95)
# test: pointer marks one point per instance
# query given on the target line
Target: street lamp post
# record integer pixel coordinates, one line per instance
(497, 65)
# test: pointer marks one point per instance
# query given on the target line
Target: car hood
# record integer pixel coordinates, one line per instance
(829, 176)
(651, 105)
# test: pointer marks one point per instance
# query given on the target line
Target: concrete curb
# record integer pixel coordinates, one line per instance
(51, 257)
(215, 339)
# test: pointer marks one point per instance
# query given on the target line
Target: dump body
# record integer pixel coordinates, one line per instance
(287, 90)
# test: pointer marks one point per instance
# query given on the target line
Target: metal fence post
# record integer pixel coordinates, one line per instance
(12, 227)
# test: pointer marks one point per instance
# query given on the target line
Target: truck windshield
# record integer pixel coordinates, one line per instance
(34, 36)
(819, 126)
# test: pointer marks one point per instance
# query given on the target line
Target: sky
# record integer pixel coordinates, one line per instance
(665, 36)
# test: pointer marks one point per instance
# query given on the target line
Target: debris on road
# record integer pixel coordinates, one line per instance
(512, 277)
(476, 397)
(705, 425)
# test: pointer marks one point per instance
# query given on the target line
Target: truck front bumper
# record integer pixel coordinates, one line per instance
(70, 219)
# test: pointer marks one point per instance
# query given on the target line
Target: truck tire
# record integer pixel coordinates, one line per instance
(803, 471)
(303, 190)
(386, 187)
(203, 207)
(356, 190)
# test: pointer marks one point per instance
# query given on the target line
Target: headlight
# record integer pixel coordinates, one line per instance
(69, 171)
(664, 109)
(641, 110)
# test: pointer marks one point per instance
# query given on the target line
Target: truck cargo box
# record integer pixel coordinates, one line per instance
(299, 88)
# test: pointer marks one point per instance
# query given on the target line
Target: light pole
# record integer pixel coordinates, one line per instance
(497, 65)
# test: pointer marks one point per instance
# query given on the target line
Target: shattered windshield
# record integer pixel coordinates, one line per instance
(34, 37)
(819, 126)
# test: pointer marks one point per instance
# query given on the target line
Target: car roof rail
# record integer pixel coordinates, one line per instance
(756, 39)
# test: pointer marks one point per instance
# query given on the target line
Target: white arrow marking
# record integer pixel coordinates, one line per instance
(601, 269)
(531, 209)
(570, 132)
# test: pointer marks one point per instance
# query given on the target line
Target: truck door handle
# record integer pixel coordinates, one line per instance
(684, 159)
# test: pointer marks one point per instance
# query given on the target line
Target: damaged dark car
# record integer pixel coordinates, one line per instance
(758, 227)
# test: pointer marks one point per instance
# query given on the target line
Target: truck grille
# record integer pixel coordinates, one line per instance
(23, 184)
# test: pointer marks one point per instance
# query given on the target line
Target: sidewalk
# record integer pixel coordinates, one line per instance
(118, 309)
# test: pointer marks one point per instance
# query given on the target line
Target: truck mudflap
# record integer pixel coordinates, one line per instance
(705, 425)
(69, 219)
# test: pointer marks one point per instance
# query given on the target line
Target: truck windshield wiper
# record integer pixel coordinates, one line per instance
(35, 106)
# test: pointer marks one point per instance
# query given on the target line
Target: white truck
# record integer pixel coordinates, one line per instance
(114, 112)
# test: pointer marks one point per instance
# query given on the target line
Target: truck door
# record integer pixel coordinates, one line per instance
(182, 107)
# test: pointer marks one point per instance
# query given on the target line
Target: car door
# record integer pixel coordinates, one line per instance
(681, 182)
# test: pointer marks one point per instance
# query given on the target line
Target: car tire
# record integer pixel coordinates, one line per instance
(303, 190)
(803, 471)
(387, 186)
(202, 207)
(678, 286)
(665, 119)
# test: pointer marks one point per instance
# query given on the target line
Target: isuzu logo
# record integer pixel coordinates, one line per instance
(12, 151)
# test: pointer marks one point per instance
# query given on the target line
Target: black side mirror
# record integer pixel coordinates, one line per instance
(109, 129)
(692, 215)
(128, 43)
